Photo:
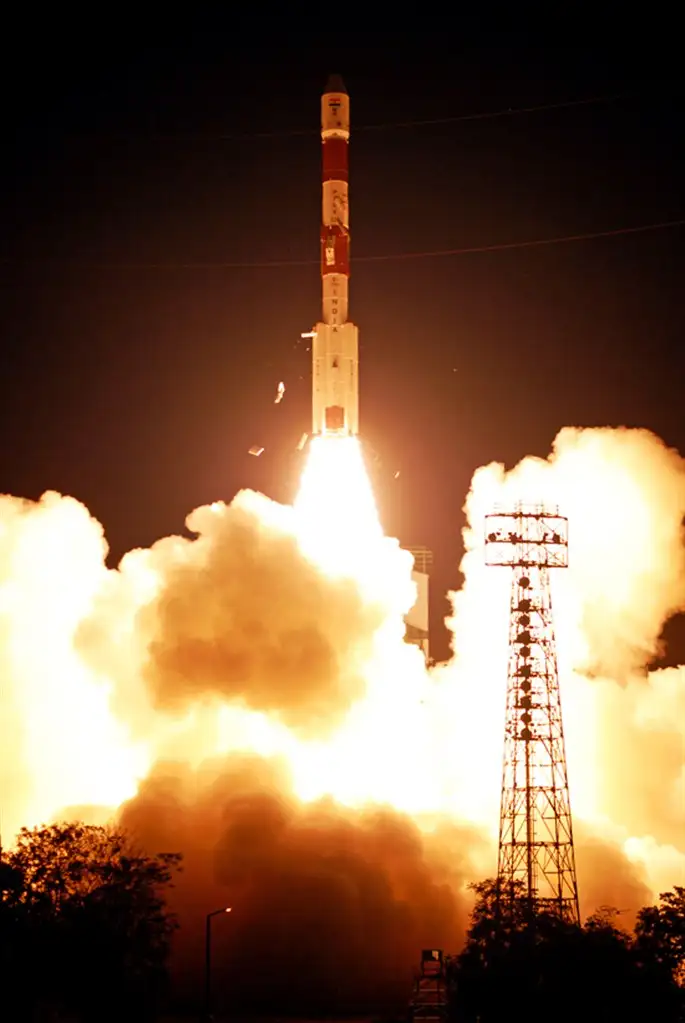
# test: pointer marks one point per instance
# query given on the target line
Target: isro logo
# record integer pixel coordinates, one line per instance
(334, 104)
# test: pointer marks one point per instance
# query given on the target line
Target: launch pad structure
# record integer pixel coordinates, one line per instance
(417, 622)
(536, 854)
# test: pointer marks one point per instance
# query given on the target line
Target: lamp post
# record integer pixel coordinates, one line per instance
(208, 958)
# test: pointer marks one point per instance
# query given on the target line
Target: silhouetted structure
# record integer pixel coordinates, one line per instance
(536, 833)
(417, 618)
(429, 1000)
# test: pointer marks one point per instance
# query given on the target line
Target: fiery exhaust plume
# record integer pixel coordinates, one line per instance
(336, 507)
(246, 696)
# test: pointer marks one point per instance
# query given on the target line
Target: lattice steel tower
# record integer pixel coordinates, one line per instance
(536, 832)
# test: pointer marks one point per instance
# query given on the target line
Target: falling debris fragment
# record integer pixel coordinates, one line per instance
(302, 441)
(396, 474)
(256, 450)
(279, 393)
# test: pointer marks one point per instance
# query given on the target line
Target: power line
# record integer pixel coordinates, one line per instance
(382, 257)
(382, 125)
(490, 115)
(500, 246)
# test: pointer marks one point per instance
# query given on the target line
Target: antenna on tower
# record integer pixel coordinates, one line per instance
(536, 831)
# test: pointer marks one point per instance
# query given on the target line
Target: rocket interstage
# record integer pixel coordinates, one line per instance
(335, 345)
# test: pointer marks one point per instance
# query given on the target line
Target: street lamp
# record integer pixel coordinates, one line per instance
(208, 958)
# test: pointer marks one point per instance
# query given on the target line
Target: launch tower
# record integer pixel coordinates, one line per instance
(536, 833)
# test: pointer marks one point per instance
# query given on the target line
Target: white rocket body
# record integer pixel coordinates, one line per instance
(335, 345)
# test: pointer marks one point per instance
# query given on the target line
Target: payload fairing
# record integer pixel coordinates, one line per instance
(335, 345)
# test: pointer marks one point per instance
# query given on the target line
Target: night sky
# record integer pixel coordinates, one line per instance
(138, 368)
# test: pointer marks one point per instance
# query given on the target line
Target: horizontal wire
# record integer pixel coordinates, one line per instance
(500, 246)
(380, 126)
(427, 254)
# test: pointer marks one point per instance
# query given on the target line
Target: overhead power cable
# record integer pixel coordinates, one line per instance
(491, 114)
(382, 125)
(381, 257)
(500, 246)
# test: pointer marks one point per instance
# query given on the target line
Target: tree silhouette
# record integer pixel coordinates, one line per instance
(521, 961)
(660, 933)
(83, 922)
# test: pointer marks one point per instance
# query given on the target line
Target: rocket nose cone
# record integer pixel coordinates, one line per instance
(335, 84)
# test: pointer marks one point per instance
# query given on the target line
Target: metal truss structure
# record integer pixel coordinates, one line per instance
(536, 853)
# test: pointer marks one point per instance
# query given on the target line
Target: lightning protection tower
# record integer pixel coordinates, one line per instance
(536, 833)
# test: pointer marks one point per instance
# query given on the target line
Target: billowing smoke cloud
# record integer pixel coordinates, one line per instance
(60, 742)
(337, 902)
(330, 905)
(640, 777)
(623, 492)
(607, 878)
(236, 640)
(240, 614)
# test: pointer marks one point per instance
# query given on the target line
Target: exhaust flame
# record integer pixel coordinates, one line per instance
(339, 529)
(338, 522)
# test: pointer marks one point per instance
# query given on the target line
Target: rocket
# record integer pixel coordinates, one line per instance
(335, 344)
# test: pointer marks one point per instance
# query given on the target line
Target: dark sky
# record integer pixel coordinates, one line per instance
(139, 388)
